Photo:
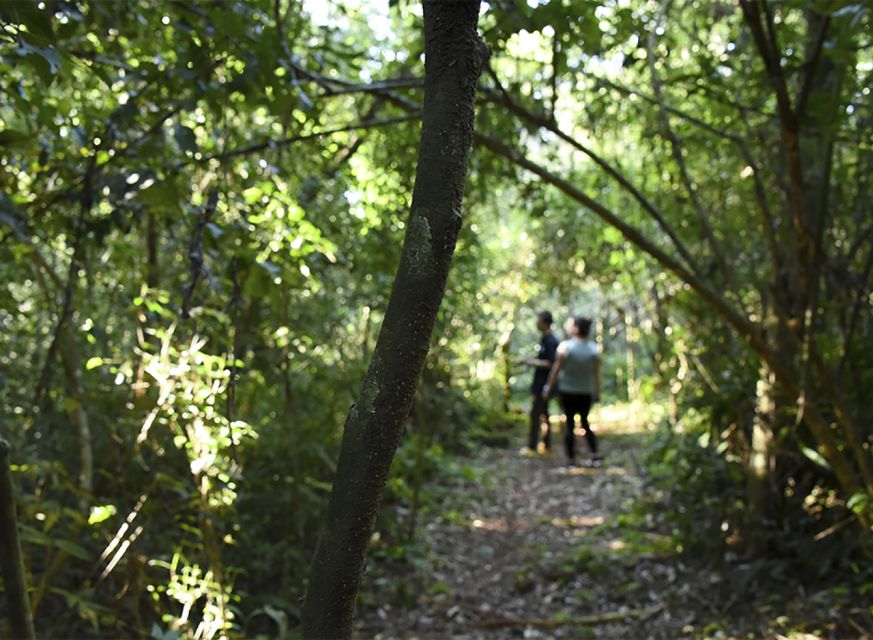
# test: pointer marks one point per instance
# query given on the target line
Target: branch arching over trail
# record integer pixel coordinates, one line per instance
(454, 58)
(506, 100)
(749, 331)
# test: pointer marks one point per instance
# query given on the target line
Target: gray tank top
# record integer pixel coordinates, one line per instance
(577, 374)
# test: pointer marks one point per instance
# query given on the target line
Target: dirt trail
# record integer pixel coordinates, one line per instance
(528, 552)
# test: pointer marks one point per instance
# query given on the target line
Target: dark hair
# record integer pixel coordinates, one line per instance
(546, 317)
(583, 325)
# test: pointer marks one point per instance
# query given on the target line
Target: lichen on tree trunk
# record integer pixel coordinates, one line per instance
(454, 58)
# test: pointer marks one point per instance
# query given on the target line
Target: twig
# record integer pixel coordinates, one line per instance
(552, 623)
(821, 535)
(66, 312)
(865, 633)
(15, 586)
(271, 144)
(195, 251)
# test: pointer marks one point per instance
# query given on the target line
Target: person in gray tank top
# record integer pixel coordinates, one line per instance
(577, 371)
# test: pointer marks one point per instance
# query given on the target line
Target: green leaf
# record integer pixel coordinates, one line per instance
(38, 21)
(214, 230)
(185, 138)
(816, 457)
(73, 549)
(34, 536)
(305, 101)
(859, 502)
(101, 513)
(44, 60)
(93, 363)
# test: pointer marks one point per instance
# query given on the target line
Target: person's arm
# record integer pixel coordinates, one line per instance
(553, 374)
(539, 363)
(546, 357)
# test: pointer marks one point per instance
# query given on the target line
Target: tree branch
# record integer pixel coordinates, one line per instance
(751, 333)
(676, 147)
(768, 50)
(811, 66)
(633, 235)
(760, 190)
(272, 144)
(506, 100)
(195, 251)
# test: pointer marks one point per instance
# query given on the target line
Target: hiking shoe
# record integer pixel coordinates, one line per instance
(526, 452)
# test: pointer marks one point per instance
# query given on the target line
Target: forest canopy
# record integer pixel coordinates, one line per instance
(203, 207)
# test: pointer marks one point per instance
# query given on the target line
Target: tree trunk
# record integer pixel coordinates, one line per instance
(760, 467)
(14, 584)
(153, 277)
(454, 57)
(506, 361)
(629, 340)
(72, 368)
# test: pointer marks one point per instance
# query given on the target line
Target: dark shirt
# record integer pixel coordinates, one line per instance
(548, 351)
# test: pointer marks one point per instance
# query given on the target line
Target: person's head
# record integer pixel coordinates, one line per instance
(544, 321)
(579, 326)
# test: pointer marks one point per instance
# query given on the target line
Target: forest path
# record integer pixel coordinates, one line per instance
(532, 549)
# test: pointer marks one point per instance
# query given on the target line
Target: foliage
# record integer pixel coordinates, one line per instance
(201, 209)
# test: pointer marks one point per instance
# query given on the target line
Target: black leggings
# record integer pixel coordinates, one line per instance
(539, 410)
(579, 404)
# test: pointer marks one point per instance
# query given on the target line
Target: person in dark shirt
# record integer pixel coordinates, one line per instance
(542, 364)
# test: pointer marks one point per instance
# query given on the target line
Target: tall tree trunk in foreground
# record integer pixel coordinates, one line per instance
(14, 583)
(454, 57)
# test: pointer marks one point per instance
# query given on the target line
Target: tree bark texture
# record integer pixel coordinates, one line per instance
(14, 583)
(454, 58)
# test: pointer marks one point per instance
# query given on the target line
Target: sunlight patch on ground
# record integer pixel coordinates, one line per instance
(577, 521)
(627, 417)
(498, 524)
(616, 471)
(576, 471)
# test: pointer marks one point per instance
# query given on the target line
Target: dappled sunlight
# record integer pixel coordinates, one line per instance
(502, 525)
(616, 545)
(492, 525)
(627, 417)
(575, 471)
(576, 522)
(616, 471)
(271, 287)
